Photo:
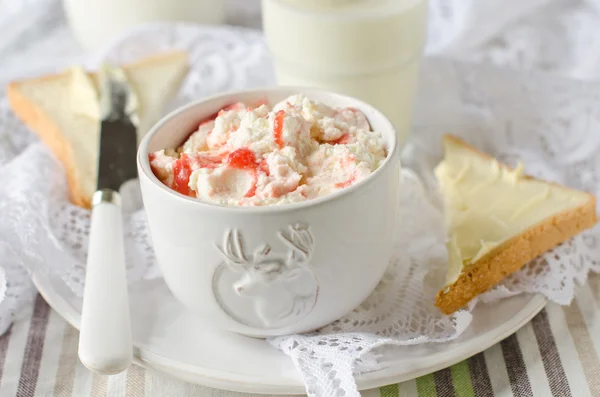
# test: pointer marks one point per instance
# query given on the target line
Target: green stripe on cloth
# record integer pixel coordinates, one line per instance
(462, 380)
(389, 391)
(426, 386)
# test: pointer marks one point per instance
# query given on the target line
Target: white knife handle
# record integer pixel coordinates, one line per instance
(105, 340)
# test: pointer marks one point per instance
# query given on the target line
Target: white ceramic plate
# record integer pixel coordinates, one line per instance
(169, 339)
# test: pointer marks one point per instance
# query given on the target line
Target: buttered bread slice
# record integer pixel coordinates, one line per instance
(498, 220)
(64, 111)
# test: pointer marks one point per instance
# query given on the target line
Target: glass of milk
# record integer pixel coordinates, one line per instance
(369, 49)
(95, 23)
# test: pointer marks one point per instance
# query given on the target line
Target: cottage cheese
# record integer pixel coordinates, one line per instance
(299, 150)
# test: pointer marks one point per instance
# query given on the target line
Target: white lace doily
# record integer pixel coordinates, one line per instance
(550, 124)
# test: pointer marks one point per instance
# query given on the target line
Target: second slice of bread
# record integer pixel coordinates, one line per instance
(575, 213)
(47, 105)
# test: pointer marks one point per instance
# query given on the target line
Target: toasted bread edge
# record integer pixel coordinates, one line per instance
(36, 119)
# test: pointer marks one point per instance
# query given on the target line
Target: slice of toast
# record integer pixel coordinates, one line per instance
(63, 110)
(498, 220)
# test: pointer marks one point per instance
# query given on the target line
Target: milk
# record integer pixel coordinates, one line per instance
(96, 23)
(369, 49)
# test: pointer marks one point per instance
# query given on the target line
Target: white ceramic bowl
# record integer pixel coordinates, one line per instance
(328, 253)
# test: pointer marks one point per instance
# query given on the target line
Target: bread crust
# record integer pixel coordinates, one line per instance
(515, 253)
(42, 124)
(34, 117)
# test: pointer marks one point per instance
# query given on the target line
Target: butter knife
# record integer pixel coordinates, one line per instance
(105, 344)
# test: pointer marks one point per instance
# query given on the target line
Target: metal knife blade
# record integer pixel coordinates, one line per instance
(118, 132)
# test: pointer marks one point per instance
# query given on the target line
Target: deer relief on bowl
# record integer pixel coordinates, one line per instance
(265, 289)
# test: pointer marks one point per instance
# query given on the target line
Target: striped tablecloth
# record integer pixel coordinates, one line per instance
(554, 355)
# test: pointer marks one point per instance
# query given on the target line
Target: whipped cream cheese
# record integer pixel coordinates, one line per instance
(487, 203)
(253, 156)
